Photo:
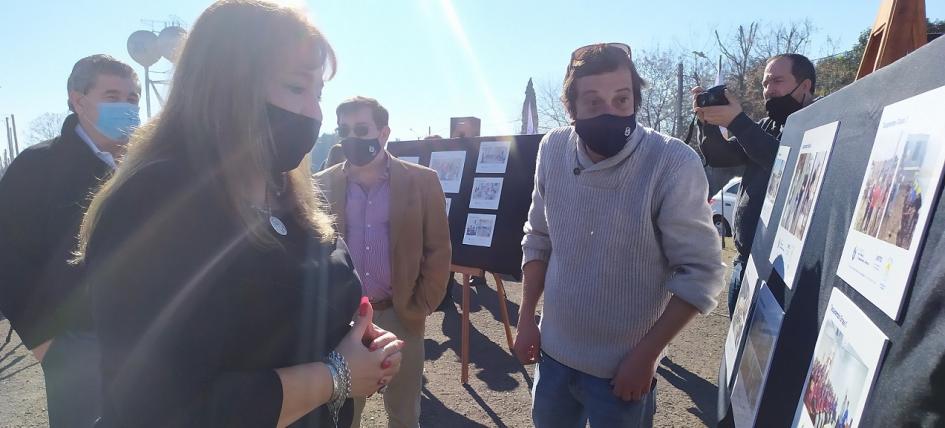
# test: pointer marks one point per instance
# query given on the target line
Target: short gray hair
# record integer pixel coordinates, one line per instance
(86, 72)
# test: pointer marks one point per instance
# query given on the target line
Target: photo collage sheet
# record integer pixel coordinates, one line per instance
(492, 162)
(756, 358)
(801, 200)
(736, 329)
(890, 219)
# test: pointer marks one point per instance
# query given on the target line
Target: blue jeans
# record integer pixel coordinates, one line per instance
(735, 283)
(71, 369)
(567, 398)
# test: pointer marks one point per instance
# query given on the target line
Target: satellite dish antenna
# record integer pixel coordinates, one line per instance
(169, 41)
(143, 48)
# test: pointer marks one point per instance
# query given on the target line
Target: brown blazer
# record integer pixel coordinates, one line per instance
(420, 251)
(335, 156)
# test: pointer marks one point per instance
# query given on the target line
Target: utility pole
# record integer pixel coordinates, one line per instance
(9, 138)
(16, 140)
(678, 125)
(147, 89)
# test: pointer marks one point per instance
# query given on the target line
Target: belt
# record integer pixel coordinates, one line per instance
(380, 305)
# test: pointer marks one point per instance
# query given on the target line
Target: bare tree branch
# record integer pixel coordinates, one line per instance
(658, 69)
(793, 37)
(46, 127)
(740, 52)
(551, 112)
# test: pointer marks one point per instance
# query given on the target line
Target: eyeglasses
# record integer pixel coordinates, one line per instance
(577, 57)
(360, 131)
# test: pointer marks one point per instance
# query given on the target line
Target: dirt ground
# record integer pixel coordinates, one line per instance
(498, 391)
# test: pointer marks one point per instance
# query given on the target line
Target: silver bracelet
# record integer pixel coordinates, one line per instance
(335, 381)
(341, 383)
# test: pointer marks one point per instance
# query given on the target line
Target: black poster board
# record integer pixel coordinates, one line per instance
(505, 254)
(910, 383)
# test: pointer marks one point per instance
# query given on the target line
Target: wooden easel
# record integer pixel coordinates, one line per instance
(468, 273)
(899, 29)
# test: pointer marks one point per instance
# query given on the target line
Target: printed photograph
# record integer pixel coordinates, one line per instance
(479, 229)
(736, 329)
(895, 200)
(835, 383)
(740, 314)
(774, 184)
(777, 171)
(892, 197)
(486, 193)
(804, 186)
(756, 358)
(849, 347)
(493, 157)
(449, 169)
(801, 199)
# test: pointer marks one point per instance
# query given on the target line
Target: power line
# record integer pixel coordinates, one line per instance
(833, 55)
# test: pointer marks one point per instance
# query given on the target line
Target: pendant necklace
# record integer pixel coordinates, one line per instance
(275, 222)
(278, 225)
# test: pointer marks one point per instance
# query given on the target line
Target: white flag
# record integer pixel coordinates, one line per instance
(719, 81)
(529, 123)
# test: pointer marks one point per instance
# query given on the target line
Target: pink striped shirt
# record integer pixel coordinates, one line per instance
(367, 214)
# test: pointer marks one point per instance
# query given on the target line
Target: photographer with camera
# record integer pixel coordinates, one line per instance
(789, 82)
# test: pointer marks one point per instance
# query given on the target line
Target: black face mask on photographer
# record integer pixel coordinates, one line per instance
(779, 108)
(606, 134)
(293, 136)
(360, 151)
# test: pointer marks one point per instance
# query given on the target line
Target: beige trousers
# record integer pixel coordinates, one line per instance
(402, 397)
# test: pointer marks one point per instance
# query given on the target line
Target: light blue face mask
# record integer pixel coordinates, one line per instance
(116, 121)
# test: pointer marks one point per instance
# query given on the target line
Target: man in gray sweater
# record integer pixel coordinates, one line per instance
(620, 240)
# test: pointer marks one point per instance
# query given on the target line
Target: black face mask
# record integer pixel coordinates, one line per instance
(293, 136)
(606, 134)
(360, 151)
(779, 108)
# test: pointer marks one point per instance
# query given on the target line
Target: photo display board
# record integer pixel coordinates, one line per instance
(860, 341)
(487, 182)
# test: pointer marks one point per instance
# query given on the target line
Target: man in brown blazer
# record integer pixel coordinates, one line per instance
(392, 214)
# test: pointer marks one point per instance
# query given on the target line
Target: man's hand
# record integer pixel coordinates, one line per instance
(635, 374)
(527, 341)
(717, 115)
(695, 93)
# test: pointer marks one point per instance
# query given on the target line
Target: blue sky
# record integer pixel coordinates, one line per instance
(426, 60)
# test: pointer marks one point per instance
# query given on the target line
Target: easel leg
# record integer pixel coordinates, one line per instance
(465, 339)
(503, 308)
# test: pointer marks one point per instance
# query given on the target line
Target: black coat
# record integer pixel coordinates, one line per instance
(192, 318)
(43, 196)
(754, 146)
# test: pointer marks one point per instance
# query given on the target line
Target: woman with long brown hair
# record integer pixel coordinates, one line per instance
(221, 296)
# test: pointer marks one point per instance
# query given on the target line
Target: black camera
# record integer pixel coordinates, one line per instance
(714, 96)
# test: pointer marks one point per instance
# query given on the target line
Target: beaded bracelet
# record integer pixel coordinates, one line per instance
(341, 383)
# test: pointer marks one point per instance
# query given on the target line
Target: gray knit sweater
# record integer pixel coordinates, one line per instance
(620, 237)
